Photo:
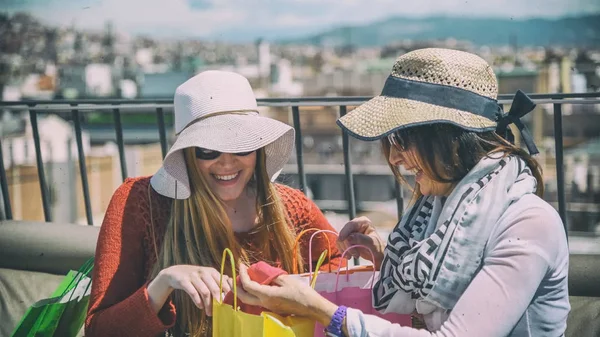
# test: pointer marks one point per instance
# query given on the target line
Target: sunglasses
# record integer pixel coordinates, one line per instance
(206, 154)
(397, 142)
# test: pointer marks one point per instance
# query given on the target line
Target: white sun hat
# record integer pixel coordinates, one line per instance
(217, 110)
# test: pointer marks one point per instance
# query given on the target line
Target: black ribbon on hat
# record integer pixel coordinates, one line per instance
(466, 100)
(520, 106)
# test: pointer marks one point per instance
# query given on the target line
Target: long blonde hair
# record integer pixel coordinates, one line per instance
(199, 230)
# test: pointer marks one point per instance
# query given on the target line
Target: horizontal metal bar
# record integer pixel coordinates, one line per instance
(90, 101)
(287, 100)
(141, 108)
(582, 98)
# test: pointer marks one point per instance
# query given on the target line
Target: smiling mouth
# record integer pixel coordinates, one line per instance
(414, 170)
(227, 177)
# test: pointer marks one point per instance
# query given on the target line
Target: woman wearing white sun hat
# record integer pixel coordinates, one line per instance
(479, 253)
(163, 236)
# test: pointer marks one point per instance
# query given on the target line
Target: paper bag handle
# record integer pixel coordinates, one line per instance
(310, 246)
(226, 252)
(313, 282)
(84, 270)
(337, 278)
(295, 256)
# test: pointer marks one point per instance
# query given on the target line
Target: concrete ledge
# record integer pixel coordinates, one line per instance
(46, 247)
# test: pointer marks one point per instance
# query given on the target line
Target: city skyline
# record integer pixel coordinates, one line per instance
(270, 18)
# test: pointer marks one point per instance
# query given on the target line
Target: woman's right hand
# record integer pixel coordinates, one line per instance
(360, 231)
(200, 283)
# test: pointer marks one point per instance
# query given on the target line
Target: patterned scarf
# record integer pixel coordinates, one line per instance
(437, 247)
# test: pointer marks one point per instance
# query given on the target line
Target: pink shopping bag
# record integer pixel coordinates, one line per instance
(354, 290)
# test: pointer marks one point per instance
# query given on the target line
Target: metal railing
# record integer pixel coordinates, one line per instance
(118, 107)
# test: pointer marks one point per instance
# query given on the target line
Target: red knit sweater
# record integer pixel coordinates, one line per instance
(125, 255)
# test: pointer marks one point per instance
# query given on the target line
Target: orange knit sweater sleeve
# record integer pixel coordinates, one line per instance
(119, 303)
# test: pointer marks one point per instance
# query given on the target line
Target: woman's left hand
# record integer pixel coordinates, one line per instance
(288, 296)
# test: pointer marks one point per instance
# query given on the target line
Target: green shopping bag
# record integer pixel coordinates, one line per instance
(64, 312)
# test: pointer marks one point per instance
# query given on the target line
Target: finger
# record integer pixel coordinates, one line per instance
(213, 288)
(247, 298)
(230, 284)
(351, 240)
(212, 285)
(361, 239)
(349, 228)
(341, 245)
(285, 281)
(249, 286)
(204, 292)
(285, 285)
(359, 225)
(226, 284)
(190, 289)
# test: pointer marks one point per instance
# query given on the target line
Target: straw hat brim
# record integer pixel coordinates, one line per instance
(229, 133)
(383, 115)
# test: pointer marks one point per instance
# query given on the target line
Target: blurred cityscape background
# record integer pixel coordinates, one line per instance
(108, 49)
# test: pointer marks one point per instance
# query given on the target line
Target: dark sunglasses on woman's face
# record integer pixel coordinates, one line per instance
(206, 154)
(397, 142)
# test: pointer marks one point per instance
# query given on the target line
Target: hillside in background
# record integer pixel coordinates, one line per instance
(581, 31)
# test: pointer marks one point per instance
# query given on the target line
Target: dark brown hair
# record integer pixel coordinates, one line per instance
(446, 153)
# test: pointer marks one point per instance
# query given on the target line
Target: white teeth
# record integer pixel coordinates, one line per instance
(227, 177)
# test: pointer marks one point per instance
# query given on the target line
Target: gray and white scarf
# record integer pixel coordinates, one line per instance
(437, 247)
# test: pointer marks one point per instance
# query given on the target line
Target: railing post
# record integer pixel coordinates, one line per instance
(82, 165)
(560, 171)
(348, 170)
(162, 133)
(7, 214)
(40, 164)
(299, 150)
(119, 134)
(348, 174)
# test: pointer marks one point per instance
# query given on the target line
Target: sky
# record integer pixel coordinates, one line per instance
(229, 19)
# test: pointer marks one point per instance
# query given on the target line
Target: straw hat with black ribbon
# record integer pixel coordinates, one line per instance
(217, 110)
(436, 85)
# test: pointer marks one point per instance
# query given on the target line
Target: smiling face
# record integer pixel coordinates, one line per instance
(426, 184)
(228, 174)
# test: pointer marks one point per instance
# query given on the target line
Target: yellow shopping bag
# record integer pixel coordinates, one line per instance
(229, 321)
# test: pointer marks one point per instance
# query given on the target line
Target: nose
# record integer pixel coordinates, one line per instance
(395, 158)
(226, 159)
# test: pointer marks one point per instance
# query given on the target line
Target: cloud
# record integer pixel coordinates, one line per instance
(143, 15)
(211, 17)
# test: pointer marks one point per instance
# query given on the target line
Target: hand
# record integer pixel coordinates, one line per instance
(288, 297)
(360, 231)
(200, 283)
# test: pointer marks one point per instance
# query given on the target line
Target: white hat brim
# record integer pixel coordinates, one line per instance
(229, 133)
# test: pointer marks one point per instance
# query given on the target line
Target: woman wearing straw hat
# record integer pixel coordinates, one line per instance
(163, 236)
(478, 253)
